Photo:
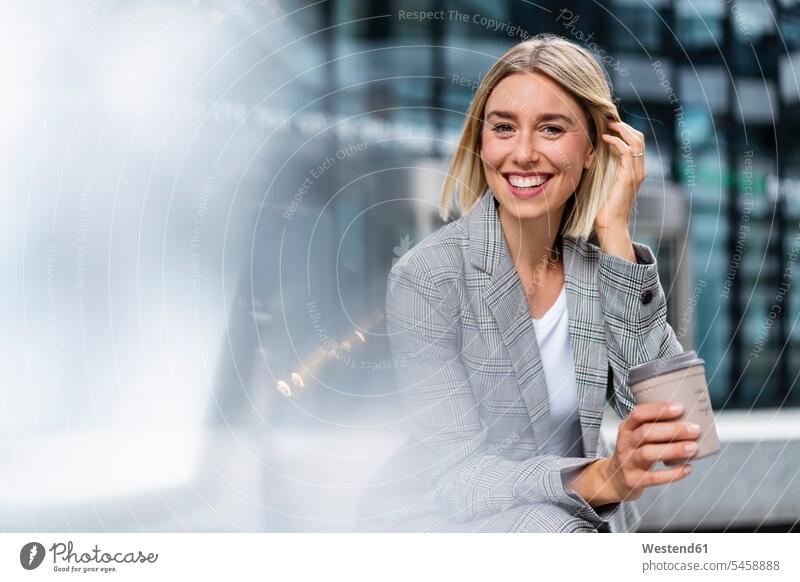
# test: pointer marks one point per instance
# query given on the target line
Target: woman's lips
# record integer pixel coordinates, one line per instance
(526, 192)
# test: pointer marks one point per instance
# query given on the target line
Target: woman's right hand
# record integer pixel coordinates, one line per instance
(652, 432)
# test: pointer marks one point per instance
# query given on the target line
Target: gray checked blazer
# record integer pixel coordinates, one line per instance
(472, 380)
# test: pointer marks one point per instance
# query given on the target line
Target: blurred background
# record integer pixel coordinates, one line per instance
(202, 200)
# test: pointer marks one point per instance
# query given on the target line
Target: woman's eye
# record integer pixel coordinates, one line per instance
(555, 130)
(502, 128)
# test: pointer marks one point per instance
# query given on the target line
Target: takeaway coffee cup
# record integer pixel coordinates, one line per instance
(679, 378)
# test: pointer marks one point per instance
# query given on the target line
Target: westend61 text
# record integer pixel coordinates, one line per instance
(670, 549)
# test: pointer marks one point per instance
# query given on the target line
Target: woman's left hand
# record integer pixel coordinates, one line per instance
(615, 213)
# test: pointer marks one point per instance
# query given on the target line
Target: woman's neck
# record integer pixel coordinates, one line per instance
(533, 243)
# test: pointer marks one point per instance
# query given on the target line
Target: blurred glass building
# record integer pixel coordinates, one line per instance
(203, 201)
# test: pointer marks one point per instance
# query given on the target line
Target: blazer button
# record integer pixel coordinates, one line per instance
(647, 297)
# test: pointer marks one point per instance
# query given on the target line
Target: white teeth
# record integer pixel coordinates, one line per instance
(527, 182)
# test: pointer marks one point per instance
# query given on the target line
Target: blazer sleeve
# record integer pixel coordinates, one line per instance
(635, 309)
(466, 477)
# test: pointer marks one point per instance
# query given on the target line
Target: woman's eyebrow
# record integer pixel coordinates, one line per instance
(538, 118)
(503, 114)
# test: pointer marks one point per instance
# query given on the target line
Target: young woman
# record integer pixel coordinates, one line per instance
(515, 323)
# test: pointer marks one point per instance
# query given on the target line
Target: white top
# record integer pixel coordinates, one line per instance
(555, 349)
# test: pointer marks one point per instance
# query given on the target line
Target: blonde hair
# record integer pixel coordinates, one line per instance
(581, 75)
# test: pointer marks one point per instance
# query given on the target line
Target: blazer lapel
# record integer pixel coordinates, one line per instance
(503, 294)
(588, 337)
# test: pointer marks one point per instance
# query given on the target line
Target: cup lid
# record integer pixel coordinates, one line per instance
(663, 366)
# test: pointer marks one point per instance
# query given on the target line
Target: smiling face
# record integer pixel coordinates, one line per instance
(535, 146)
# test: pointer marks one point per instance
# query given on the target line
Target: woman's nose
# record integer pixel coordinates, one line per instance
(525, 152)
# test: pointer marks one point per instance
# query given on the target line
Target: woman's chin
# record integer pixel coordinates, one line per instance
(526, 207)
(514, 211)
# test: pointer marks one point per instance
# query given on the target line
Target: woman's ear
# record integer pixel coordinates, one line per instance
(592, 154)
(589, 160)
